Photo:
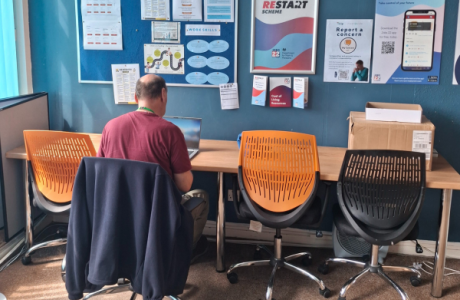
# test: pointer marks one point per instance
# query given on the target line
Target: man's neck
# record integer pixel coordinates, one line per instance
(154, 108)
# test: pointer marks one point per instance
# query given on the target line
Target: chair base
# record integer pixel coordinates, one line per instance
(375, 268)
(278, 262)
(26, 259)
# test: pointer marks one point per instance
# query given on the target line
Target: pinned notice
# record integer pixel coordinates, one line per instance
(229, 96)
(124, 79)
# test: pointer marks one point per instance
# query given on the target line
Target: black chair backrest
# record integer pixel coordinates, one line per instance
(382, 188)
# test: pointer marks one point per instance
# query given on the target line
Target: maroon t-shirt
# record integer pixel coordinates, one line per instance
(146, 137)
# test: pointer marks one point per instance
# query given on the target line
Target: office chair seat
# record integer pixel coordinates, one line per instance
(345, 228)
(311, 217)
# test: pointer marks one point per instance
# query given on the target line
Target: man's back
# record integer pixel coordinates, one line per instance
(144, 136)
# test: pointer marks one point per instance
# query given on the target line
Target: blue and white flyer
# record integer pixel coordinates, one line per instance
(348, 51)
(259, 90)
(301, 92)
(408, 41)
(456, 80)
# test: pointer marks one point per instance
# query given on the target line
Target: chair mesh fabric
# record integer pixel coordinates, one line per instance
(55, 157)
(278, 168)
(382, 188)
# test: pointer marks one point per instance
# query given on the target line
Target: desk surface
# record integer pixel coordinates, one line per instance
(222, 156)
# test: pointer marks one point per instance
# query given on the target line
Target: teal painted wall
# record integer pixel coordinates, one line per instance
(88, 107)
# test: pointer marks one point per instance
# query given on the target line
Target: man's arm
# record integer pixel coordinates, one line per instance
(184, 181)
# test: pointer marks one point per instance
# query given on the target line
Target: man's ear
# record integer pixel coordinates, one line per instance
(136, 99)
(164, 94)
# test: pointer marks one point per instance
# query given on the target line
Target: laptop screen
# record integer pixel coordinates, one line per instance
(190, 127)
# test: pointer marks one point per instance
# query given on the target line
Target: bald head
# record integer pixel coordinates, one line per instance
(150, 87)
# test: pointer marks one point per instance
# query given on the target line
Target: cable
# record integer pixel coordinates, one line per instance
(430, 265)
(13, 259)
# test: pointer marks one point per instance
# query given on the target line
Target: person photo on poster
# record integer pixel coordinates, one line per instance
(360, 73)
(283, 37)
(408, 42)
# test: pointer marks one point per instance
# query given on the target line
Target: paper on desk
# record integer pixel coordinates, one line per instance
(124, 79)
(229, 96)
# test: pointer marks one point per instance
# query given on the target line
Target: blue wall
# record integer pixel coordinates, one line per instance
(87, 108)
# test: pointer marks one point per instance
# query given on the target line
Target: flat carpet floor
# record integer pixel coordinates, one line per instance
(42, 280)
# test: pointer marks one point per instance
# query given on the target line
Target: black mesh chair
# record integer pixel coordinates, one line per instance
(380, 194)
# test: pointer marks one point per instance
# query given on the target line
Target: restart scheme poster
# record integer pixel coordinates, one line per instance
(284, 36)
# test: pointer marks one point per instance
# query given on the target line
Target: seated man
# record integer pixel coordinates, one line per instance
(143, 135)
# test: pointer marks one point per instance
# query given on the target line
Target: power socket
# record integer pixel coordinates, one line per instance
(230, 195)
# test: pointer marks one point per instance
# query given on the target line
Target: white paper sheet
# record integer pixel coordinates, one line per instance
(348, 51)
(165, 32)
(219, 10)
(102, 35)
(229, 96)
(124, 82)
(164, 59)
(187, 10)
(100, 10)
(155, 10)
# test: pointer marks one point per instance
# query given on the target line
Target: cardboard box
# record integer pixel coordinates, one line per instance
(394, 112)
(367, 134)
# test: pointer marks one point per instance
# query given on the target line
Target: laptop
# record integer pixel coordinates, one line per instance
(191, 128)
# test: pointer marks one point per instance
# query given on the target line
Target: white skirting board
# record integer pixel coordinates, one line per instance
(240, 233)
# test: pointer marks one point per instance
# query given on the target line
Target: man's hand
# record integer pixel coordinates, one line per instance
(355, 70)
(184, 181)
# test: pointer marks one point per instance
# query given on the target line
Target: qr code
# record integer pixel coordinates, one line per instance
(388, 47)
(343, 75)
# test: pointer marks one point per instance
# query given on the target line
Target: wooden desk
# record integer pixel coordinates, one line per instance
(222, 157)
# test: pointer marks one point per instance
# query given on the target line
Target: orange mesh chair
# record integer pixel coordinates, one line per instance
(278, 177)
(53, 158)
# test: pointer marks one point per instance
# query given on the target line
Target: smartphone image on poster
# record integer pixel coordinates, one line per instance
(418, 47)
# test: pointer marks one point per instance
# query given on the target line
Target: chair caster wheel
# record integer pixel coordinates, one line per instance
(232, 277)
(307, 261)
(257, 255)
(26, 260)
(323, 268)
(63, 277)
(326, 293)
(415, 281)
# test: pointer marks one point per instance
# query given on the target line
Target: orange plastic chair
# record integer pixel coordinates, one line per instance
(278, 175)
(55, 157)
(278, 168)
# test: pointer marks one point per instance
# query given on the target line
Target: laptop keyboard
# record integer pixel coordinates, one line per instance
(190, 152)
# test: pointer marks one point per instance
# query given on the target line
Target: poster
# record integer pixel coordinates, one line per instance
(456, 79)
(348, 51)
(164, 59)
(155, 10)
(165, 32)
(284, 36)
(219, 10)
(124, 79)
(102, 35)
(187, 10)
(408, 41)
(280, 92)
(101, 25)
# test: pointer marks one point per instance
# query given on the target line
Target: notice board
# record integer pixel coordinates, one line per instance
(94, 66)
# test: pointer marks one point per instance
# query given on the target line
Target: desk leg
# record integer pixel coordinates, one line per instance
(441, 244)
(29, 232)
(220, 226)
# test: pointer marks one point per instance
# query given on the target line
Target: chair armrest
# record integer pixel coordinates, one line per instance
(192, 203)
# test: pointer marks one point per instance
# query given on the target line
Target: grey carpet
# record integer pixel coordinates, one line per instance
(41, 279)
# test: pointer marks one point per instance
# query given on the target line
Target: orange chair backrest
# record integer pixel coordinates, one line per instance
(55, 157)
(278, 168)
